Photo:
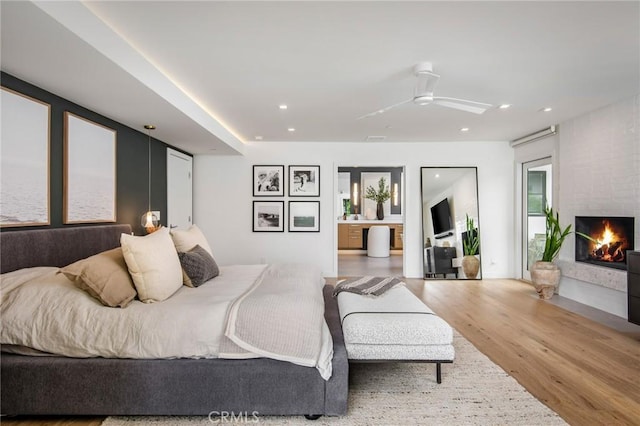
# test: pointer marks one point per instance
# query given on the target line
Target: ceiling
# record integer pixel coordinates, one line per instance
(211, 75)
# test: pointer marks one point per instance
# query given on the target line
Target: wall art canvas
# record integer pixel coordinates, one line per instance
(268, 181)
(304, 216)
(89, 171)
(268, 216)
(304, 181)
(24, 160)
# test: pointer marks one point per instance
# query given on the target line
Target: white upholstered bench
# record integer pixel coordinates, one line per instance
(394, 327)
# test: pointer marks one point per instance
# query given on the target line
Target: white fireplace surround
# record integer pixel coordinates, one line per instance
(609, 136)
(615, 279)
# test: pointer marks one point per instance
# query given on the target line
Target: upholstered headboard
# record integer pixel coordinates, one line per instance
(56, 246)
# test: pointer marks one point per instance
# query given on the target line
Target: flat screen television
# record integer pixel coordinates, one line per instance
(441, 216)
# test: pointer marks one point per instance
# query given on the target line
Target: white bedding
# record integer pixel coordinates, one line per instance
(43, 310)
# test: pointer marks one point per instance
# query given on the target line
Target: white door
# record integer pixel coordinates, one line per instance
(179, 189)
(537, 194)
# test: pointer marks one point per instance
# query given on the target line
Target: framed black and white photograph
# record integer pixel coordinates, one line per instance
(304, 216)
(304, 181)
(89, 171)
(268, 216)
(268, 181)
(24, 160)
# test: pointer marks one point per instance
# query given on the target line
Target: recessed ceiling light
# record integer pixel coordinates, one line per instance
(283, 106)
(258, 138)
(504, 106)
(547, 109)
(464, 129)
(291, 129)
(437, 175)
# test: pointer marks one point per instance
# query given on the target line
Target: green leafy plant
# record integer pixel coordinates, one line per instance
(379, 196)
(555, 235)
(346, 204)
(472, 242)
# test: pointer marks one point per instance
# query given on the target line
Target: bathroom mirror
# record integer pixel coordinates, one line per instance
(450, 223)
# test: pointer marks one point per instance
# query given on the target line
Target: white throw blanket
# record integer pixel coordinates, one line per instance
(281, 317)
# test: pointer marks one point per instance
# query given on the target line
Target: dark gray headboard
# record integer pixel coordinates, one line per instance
(56, 246)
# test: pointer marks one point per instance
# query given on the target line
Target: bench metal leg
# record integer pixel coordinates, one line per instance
(438, 373)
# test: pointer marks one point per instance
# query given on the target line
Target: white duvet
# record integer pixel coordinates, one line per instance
(43, 310)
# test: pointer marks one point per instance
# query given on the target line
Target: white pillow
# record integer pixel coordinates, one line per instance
(186, 240)
(153, 263)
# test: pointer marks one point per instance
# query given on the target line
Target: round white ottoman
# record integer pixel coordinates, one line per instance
(378, 241)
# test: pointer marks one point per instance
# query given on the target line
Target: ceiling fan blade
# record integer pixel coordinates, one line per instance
(427, 80)
(462, 104)
(383, 110)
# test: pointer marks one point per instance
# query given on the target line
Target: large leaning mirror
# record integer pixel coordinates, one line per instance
(450, 225)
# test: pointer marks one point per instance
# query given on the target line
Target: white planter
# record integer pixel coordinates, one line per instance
(545, 277)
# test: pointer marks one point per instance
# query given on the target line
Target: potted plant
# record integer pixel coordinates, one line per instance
(379, 196)
(545, 275)
(470, 261)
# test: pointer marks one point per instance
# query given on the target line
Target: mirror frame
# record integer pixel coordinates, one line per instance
(458, 228)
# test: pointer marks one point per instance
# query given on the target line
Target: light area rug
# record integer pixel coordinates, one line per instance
(474, 391)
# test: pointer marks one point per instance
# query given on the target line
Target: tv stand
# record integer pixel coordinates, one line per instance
(438, 260)
(444, 235)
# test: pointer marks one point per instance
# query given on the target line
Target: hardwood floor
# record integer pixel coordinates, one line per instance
(358, 264)
(586, 372)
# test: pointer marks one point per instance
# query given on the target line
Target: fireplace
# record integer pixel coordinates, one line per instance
(613, 237)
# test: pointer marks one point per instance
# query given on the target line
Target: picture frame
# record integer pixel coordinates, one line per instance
(24, 160)
(268, 216)
(304, 216)
(268, 181)
(89, 171)
(304, 181)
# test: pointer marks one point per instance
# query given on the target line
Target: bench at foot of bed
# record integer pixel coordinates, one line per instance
(394, 327)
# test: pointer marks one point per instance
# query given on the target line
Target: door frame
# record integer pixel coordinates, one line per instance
(524, 232)
(334, 206)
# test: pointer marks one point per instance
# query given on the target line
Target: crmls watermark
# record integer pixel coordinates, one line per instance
(221, 417)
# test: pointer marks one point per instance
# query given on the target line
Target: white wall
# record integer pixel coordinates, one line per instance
(599, 176)
(223, 200)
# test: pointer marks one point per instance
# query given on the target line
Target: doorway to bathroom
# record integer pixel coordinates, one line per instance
(370, 221)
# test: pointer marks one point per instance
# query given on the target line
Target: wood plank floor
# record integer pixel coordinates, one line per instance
(584, 371)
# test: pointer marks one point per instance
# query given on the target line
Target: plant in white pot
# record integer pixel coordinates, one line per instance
(379, 196)
(545, 275)
(470, 261)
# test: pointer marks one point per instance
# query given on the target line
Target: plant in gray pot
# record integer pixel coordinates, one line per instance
(379, 196)
(470, 261)
(545, 275)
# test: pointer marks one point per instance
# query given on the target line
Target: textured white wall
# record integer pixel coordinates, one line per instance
(599, 156)
(223, 199)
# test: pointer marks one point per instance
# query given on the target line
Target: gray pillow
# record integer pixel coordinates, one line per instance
(197, 266)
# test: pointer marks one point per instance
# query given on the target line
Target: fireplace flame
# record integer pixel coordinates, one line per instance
(609, 247)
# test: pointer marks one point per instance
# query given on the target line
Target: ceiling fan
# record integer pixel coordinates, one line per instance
(427, 80)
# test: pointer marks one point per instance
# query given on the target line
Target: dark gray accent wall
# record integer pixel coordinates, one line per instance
(132, 160)
(396, 177)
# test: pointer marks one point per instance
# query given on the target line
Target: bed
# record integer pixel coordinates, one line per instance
(59, 385)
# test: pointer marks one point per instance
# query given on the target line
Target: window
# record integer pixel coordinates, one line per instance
(536, 192)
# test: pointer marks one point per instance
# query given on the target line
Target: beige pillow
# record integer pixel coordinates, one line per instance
(153, 264)
(186, 240)
(104, 276)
